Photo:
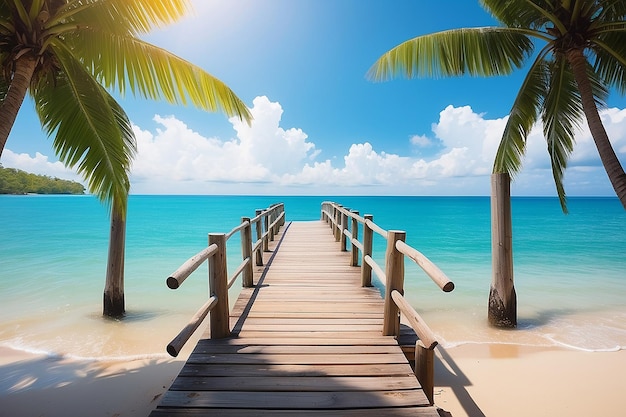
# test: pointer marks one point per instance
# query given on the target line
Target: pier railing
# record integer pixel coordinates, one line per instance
(266, 224)
(345, 225)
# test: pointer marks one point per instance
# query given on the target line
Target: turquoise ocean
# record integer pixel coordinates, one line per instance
(570, 270)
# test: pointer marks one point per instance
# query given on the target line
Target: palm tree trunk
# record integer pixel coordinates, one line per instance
(114, 287)
(502, 309)
(608, 157)
(24, 70)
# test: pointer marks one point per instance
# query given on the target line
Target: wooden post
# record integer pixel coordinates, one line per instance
(270, 226)
(218, 286)
(502, 298)
(394, 271)
(425, 369)
(281, 210)
(246, 253)
(337, 228)
(266, 242)
(283, 219)
(368, 240)
(344, 226)
(354, 251)
(259, 236)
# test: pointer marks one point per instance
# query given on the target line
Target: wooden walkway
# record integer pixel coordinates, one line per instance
(306, 342)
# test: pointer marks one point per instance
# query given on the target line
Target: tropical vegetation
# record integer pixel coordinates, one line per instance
(68, 55)
(16, 181)
(576, 54)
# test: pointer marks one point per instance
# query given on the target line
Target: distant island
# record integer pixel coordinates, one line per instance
(16, 181)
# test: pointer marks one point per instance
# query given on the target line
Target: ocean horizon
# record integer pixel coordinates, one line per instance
(570, 273)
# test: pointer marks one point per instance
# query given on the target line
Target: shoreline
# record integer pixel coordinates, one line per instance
(471, 380)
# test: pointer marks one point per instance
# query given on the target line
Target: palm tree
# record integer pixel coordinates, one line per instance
(582, 55)
(67, 54)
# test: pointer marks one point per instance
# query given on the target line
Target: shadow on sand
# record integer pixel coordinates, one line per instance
(54, 386)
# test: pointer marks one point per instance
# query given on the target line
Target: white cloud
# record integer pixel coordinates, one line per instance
(265, 157)
(262, 152)
(39, 164)
(421, 141)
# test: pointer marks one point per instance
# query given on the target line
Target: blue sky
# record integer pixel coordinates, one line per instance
(322, 128)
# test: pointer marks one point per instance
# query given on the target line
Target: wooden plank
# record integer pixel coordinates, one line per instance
(267, 369)
(310, 327)
(307, 341)
(289, 384)
(314, 307)
(314, 335)
(309, 314)
(295, 400)
(290, 341)
(361, 412)
(311, 359)
(295, 349)
(313, 321)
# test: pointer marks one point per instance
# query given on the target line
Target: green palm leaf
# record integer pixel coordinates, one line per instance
(520, 14)
(610, 59)
(475, 51)
(522, 118)
(152, 72)
(121, 16)
(562, 114)
(613, 11)
(91, 130)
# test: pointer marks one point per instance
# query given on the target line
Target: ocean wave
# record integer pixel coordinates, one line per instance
(33, 351)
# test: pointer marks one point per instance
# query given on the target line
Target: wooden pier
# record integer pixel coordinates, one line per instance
(305, 337)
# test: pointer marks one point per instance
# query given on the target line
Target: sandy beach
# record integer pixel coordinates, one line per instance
(471, 380)
(37, 385)
(519, 381)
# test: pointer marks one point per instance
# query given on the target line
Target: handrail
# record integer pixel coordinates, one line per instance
(174, 347)
(376, 228)
(219, 282)
(427, 336)
(237, 272)
(180, 275)
(376, 268)
(392, 277)
(237, 229)
(426, 264)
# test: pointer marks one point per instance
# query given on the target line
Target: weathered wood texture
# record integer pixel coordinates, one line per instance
(306, 341)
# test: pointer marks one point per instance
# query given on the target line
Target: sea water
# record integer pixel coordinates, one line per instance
(570, 270)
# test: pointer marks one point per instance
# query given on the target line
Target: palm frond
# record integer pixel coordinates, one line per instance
(21, 13)
(122, 16)
(91, 130)
(523, 116)
(613, 10)
(562, 115)
(122, 62)
(7, 26)
(4, 85)
(475, 51)
(610, 59)
(521, 14)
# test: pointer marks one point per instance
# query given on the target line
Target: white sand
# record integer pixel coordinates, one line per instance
(33, 385)
(517, 381)
(471, 380)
